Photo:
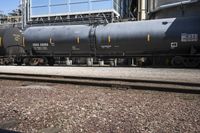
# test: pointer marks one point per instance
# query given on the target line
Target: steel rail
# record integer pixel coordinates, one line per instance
(169, 86)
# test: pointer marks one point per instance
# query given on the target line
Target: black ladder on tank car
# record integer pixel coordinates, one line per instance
(92, 37)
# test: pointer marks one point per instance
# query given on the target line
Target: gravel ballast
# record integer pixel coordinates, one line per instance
(51, 108)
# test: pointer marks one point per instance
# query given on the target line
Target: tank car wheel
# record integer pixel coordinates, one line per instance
(6, 62)
(26, 61)
(177, 61)
(34, 61)
(191, 62)
(9, 61)
(18, 61)
(51, 61)
(43, 61)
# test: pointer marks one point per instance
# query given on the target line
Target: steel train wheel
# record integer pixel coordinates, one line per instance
(177, 61)
(34, 62)
(51, 61)
(191, 62)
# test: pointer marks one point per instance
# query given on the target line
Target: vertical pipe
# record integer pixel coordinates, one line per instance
(28, 10)
(0, 41)
(22, 8)
(142, 9)
(139, 10)
(24, 13)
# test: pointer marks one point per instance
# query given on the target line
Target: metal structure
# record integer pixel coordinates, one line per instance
(59, 11)
(98, 78)
(62, 12)
(142, 9)
(10, 19)
(162, 37)
(48, 38)
(173, 8)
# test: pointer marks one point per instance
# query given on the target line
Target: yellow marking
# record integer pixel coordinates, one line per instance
(0, 41)
(148, 38)
(109, 39)
(23, 41)
(51, 41)
(78, 40)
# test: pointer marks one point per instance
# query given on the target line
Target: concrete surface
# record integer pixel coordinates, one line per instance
(163, 74)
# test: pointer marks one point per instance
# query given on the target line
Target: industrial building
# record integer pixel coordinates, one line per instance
(158, 9)
(50, 11)
(12, 17)
(101, 11)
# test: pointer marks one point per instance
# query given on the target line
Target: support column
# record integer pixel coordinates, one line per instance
(101, 62)
(113, 63)
(142, 9)
(133, 62)
(68, 61)
(90, 61)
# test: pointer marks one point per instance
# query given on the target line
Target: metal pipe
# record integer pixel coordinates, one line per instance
(23, 14)
(142, 12)
(143, 9)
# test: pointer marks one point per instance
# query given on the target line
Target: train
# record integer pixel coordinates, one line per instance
(10, 44)
(173, 8)
(172, 41)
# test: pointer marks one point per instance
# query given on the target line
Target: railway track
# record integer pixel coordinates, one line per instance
(107, 82)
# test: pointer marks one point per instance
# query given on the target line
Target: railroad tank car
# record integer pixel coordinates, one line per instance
(10, 44)
(161, 36)
(58, 40)
(168, 37)
(173, 8)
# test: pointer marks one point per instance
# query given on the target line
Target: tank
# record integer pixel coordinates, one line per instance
(10, 41)
(58, 40)
(173, 8)
(162, 36)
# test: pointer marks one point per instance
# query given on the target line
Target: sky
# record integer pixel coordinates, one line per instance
(42, 7)
(8, 5)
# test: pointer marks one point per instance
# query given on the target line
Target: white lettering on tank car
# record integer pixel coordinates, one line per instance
(40, 48)
(40, 44)
(36, 44)
(106, 46)
(44, 44)
(174, 45)
(189, 37)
